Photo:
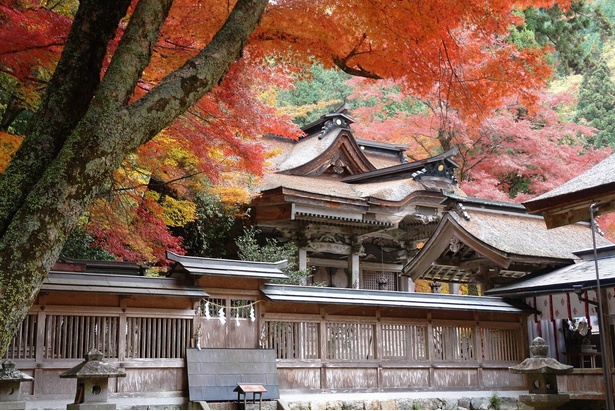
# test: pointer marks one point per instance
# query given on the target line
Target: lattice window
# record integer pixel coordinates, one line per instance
(150, 337)
(452, 343)
(291, 340)
(404, 342)
(211, 307)
(501, 344)
(350, 341)
(241, 308)
(23, 346)
(378, 280)
(230, 309)
(73, 336)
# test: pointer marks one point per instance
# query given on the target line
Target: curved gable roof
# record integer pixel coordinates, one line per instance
(335, 149)
(511, 244)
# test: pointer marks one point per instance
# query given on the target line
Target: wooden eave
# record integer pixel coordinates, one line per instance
(330, 296)
(420, 197)
(120, 284)
(453, 199)
(402, 170)
(364, 225)
(200, 266)
(282, 204)
(284, 195)
(562, 279)
(345, 149)
(573, 207)
(384, 147)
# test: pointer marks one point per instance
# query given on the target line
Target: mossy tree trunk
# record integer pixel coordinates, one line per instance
(86, 127)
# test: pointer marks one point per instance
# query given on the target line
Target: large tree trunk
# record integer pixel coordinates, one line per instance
(36, 227)
(66, 100)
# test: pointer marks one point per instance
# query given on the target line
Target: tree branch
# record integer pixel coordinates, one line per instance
(181, 89)
(342, 62)
(133, 54)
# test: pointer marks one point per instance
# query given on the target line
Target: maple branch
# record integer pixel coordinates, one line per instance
(31, 48)
(342, 62)
(182, 88)
(174, 45)
(158, 183)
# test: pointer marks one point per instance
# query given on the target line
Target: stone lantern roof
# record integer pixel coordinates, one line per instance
(540, 363)
(93, 367)
(10, 373)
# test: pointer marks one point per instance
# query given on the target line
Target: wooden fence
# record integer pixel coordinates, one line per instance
(340, 353)
(398, 341)
(117, 335)
(149, 344)
(314, 352)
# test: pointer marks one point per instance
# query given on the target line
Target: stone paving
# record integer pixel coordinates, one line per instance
(450, 400)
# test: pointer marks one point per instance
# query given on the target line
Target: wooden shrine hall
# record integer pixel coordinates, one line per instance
(363, 217)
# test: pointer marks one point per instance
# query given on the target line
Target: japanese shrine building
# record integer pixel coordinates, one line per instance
(365, 218)
(370, 224)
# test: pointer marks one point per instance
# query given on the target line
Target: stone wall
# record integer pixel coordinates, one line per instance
(462, 403)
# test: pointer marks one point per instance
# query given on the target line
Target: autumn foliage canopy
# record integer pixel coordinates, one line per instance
(453, 54)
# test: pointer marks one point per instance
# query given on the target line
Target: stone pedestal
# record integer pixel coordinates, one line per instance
(544, 401)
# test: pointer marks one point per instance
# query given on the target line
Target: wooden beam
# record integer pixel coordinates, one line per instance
(273, 212)
(565, 215)
(468, 264)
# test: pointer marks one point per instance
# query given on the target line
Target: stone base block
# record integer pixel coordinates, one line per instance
(12, 405)
(544, 401)
(91, 406)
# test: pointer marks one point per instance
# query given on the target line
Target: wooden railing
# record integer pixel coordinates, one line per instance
(337, 352)
(23, 346)
(59, 333)
(389, 340)
(314, 351)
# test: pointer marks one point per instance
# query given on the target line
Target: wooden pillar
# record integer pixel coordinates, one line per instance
(607, 352)
(355, 273)
(39, 386)
(478, 350)
(430, 347)
(324, 349)
(121, 346)
(303, 263)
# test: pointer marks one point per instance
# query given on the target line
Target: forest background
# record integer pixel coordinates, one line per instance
(185, 189)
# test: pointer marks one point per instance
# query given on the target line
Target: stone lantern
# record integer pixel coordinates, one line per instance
(10, 385)
(542, 374)
(92, 382)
